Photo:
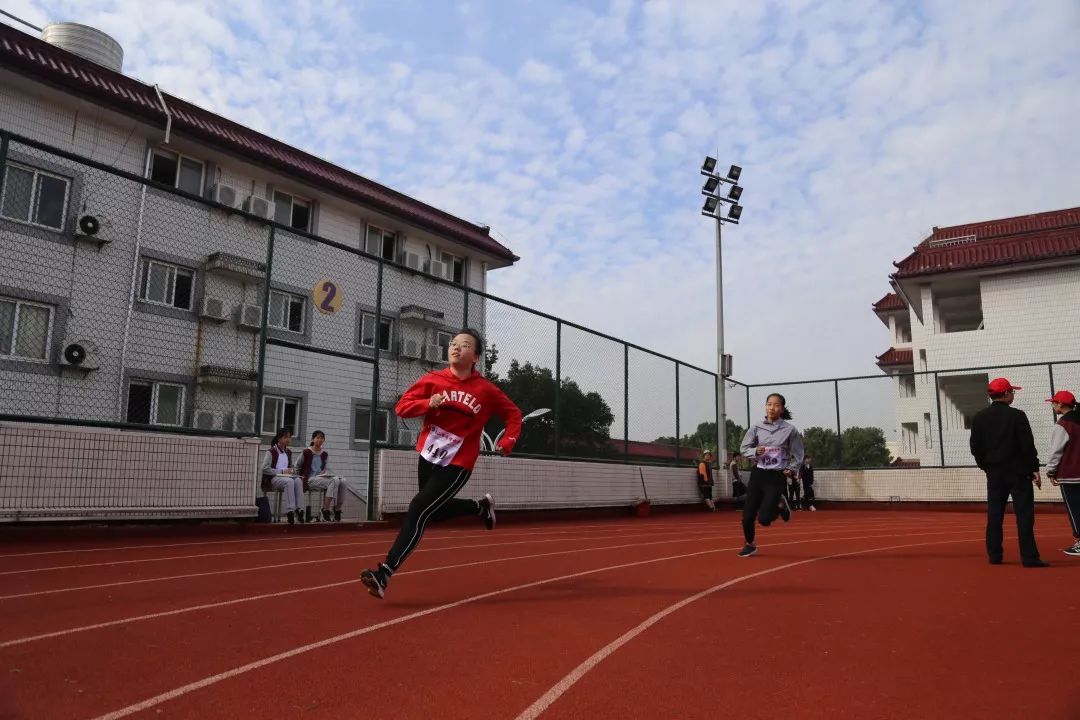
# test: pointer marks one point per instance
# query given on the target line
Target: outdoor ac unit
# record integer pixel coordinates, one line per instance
(434, 353)
(213, 309)
(250, 317)
(244, 422)
(410, 349)
(406, 437)
(206, 420)
(437, 269)
(81, 354)
(410, 260)
(90, 227)
(225, 194)
(259, 206)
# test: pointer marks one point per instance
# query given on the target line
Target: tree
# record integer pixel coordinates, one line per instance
(820, 444)
(704, 437)
(861, 447)
(584, 417)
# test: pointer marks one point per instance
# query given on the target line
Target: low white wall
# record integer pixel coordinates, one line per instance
(50, 472)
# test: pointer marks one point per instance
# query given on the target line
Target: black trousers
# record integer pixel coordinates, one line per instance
(793, 492)
(808, 494)
(435, 501)
(762, 500)
(1000, 485)
(1070, 492)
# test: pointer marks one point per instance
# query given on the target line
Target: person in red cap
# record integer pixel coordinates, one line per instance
(1063, 467)
(1004, 448)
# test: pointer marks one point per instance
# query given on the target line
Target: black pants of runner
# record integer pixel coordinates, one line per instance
(792, 492)
(762, 500)
(1000, 485)
(808, 494)
(434, 502)
(1070, 492)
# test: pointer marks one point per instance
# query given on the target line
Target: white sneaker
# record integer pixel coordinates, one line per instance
(813, 508)
(1074, 550)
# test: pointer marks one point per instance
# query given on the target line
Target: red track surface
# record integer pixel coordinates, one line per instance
(840, 615)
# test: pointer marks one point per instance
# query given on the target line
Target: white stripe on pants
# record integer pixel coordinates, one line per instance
(292, 488)
(332, 484)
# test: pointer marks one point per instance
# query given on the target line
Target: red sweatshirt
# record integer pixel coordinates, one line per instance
(451, 432)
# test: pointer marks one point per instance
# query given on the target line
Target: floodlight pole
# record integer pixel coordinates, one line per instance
(721, 400)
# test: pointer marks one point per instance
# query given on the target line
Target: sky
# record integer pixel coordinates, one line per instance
(576, 131)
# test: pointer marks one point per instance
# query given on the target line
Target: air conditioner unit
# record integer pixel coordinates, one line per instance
(434, 353)
(213, 309)
(225, 194)
(206, 420)
(410, 260)
(437, 269)
(410, 349)
(244, 422)
(80, 354)
(89, 227)
(406, 437)
(259, 206)
(250, 317)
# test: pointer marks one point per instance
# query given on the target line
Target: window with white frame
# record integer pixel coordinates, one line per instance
(443, 340)
(166, 284)
(927, 430)
(280, 412)
(362, 424)
(367, 332)
(155, 403)
(178, 171)
(292, 211)
(25, 329)
(455, 267)
(34, 196)
(286, 311)
(382, 243)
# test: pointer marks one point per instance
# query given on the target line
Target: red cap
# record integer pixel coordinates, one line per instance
(1000, 386)
(1063, 396)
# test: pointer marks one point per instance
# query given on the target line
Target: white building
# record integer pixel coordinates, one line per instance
(990, 294)
(168, 295)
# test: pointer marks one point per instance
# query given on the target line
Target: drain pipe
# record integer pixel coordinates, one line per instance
(168, 115)
(131, 294)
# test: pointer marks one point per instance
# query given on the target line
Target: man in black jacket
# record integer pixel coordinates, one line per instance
(1004, 448)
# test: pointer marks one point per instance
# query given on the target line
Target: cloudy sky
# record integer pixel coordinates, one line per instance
(576, 129)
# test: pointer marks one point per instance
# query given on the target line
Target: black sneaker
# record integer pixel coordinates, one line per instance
(785, 509)
(487, 511)
(747, 550)
(995, 560)
(326, 515)
(374, 582)
(337, 516)
(291, 516)
(1036, 563)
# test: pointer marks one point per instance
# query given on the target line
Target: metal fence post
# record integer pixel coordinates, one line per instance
(558, 381)
(940, 421)
(626, 403)
(4, 140)
(678, 439)
(839, 432)
(465, 312)
(373, 412)
(260, 380)
(1050, 372)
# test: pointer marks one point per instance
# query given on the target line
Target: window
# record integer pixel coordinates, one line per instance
(455, 267)
(362, 421)
(927, 430)
(443, 340)
(292, 211)
(903, 330)
(165, 284)
(155, 403)
(382, 243)
(367, 332)
(911, 438)
(958, 308)
(34, 196)
(907, 386)
(178, 171)
(280, 412)
(25, 329)
(286, 312)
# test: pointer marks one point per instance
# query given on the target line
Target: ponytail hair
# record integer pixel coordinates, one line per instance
(786, 414)
(282, 432)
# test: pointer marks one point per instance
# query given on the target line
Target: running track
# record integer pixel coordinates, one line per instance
(841, 615)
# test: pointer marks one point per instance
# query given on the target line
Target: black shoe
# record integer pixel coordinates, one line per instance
(292, 517)
(995, 561)
(747, 550)
(374, 582)
(487, 511)
(1036, 563)
(326, 515)
(785, 509)
(337, 516)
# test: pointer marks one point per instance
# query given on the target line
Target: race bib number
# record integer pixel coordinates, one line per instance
(771, 459)
(441, 446)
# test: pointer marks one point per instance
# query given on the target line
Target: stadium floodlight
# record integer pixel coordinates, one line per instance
(733, 173)
(709, 166)
(710, 205)
(735, 212)
(734, 193)
(711, 183)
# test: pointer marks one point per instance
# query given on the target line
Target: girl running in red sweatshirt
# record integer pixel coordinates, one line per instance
(456, 403)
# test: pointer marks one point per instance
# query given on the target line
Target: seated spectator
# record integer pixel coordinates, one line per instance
(315, 472)
(277, 474)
